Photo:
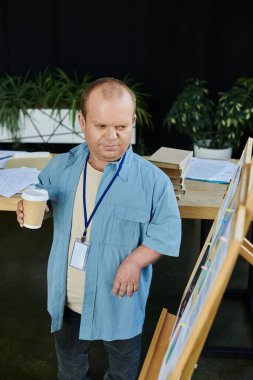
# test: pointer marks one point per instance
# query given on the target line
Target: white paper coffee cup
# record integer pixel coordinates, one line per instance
(34, 203)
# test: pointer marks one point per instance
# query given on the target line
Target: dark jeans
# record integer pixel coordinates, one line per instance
(72, 353)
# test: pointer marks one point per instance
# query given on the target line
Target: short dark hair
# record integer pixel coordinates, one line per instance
(99, 83)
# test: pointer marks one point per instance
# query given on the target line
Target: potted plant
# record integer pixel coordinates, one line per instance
(58, 101)
(17, 94)
(213, 129)
(44, 109)
(192, 113)
(234, 113)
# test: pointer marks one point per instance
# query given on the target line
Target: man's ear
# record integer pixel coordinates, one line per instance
(134, 119)
(82, 122)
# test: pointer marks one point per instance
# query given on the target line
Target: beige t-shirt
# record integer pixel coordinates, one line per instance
(75, 277)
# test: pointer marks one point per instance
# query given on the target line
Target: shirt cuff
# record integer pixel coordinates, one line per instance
(160, 247)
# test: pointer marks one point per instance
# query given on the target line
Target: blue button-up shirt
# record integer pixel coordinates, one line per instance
(139, 208)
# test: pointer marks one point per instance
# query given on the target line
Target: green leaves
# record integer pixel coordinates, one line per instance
(14, 95)
(192, 112)
(144, 117)
(233, 116)
(49, 89)
(55, 89)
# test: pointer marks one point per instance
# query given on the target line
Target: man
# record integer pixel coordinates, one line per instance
(135, 220)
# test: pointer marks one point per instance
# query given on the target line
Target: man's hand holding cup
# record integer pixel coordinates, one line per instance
(31, 209)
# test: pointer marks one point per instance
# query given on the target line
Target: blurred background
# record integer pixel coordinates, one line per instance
(160, 44)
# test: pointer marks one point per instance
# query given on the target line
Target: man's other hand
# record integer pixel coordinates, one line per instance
(127, 278)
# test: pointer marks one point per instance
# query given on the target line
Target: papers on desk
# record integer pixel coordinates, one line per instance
(218, 171)
(13, 181)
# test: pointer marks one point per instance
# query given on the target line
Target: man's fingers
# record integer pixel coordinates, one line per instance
(116, 287)
(130, 289)
(47, 208)
(20, 206)
(20, 218)
(119, 287)
(123, 289)
(21, 222)
(20, 214)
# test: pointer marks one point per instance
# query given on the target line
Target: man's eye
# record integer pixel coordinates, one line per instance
(121, 127)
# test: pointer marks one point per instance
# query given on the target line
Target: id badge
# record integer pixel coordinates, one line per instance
(79, 254)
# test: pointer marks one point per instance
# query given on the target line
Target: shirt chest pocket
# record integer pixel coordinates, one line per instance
(127, 224)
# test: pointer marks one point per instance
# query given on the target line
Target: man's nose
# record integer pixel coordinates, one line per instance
(111, 133)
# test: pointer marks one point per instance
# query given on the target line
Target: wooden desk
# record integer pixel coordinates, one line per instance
(201, 200)
(9, 204)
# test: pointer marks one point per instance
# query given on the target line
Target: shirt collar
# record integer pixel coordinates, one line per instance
(82, 150)
(123, 174)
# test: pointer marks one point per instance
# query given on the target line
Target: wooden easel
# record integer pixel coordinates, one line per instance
(239, 245)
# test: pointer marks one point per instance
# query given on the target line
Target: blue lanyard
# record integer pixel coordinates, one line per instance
(86, 220)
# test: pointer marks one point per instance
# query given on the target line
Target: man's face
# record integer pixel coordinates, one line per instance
(108, 125)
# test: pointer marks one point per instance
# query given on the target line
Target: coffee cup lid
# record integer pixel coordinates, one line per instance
(35, 195)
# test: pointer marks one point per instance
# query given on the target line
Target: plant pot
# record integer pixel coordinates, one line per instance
(41, 126)
(210, 153)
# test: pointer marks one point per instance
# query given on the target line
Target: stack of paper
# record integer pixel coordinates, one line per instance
(219, 171)
(174, 162)
(13, 181)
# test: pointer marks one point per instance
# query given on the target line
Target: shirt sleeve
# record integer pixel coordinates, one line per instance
(44, 178)
(49, 178)
(164, 230)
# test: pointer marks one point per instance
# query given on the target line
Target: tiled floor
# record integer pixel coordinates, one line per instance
(26, 346)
